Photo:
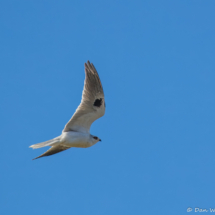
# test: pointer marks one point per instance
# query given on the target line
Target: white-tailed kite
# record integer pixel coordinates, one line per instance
(76, 133)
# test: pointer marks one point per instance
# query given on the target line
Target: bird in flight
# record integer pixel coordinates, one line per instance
(76, 133)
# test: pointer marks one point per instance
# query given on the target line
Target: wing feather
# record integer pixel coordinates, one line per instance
(92, 104)
(53, 150)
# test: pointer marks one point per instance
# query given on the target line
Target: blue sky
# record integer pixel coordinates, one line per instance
(156, 63)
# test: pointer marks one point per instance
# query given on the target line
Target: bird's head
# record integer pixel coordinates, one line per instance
(95, 139)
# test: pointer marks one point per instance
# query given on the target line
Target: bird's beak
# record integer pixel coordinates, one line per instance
(100, 140)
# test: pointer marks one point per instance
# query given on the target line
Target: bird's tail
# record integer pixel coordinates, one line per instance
(46, 143)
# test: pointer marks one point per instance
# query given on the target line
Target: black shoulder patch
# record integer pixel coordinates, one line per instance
(98, 102)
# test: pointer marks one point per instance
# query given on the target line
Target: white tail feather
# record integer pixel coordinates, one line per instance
(46, 143)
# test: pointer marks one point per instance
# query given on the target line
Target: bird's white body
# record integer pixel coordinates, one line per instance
(77, 139)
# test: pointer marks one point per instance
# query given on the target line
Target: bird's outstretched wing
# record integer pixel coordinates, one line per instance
(92, 104)
(53, 150)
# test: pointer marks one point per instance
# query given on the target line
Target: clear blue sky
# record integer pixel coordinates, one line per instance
(156, 63)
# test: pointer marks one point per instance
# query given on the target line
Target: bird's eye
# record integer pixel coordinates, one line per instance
(96, 138)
